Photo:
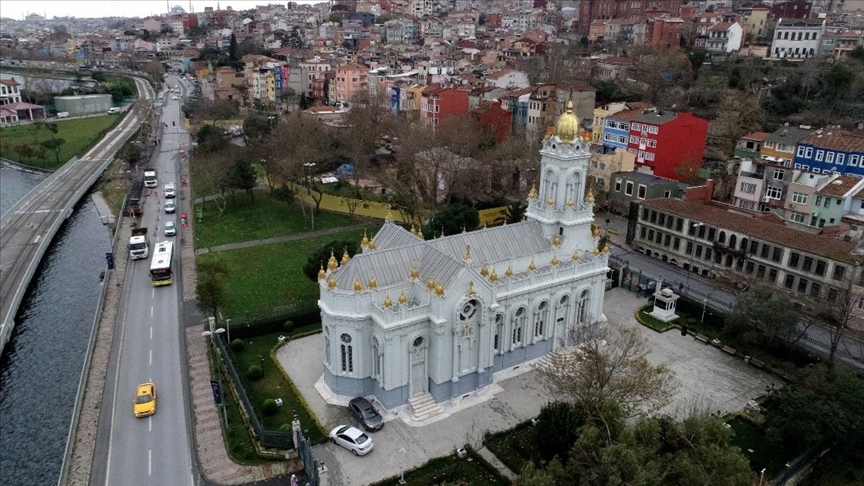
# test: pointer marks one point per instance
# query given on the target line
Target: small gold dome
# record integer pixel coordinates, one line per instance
(365, 241)
(575, 256)
(509, 272)
(567, 128)
(595, 230)
(570, 203)
(420, 234)
(387, 302)
(554, 261)
(345, 257)
(372, 245)
(606, 249)
(402, 298)
(331, 263)
(430, 284)
(358, 286)
(373, 283)
(484, 271)
(439, 290)
(493, 277)
(596, 252)
(589, 197)
(415, 273)
(532, 194)
(532, 266)
(413, 229)
(556, 240)
(331, 284)
(550, 201)
(322, 275)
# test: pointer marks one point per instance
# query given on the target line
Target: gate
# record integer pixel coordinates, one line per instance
(304, 450)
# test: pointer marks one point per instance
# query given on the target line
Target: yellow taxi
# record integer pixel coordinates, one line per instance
(145, 400)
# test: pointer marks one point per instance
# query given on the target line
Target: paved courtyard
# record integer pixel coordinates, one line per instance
(709, 380)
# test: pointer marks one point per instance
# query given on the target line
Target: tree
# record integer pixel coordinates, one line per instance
(98, 76)
(232, 48)
(242, 176)
(130, 153)
(688, 170)
(54, 145)
(210, 139)
(452, 219)
(256, 127)
(208, 170)
(210, 289)
(516, 211)
(303, 102)
(609, 364)
(763, 316)
(155, 70)
(321, 256)
(558, 424)
(25, 150)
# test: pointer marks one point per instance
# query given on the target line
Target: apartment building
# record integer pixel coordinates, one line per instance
(602, 166)
(797, 38)
(831, 150)
(763, 180)
(439, 103)
(664, 141)
(815, 271)
(724, 38)
(351, 81)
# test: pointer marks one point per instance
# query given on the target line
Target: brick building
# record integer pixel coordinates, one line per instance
(591, 10)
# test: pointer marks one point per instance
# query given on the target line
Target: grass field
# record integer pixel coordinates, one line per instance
(750, 438)
(516, 447)
(267, 276)
(79, 135)
(451, 470)
(246, 219)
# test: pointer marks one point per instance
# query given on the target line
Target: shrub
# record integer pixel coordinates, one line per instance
(237, 345)
(286, 427)
(283, 193)
(255, 373)
(289, 326)
(269, 406)
(557, 429)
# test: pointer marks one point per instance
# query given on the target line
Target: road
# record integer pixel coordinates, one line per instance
(816, 338)
(148, 347)
(27, 228)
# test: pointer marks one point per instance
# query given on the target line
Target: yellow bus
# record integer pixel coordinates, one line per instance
(162, 265)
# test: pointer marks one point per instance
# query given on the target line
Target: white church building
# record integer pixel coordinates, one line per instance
(433, 320)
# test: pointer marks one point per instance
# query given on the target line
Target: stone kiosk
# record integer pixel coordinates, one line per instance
(665, 301)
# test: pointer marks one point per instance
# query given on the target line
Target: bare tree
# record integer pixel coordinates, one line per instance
(610, 364)
(209, 172)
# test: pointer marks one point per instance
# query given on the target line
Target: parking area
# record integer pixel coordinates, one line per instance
(709, 380)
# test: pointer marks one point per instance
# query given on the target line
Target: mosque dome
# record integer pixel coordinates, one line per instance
(177, 9)
(567, 128)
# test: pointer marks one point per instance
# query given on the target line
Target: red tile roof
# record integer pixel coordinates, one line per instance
(757, 136)
(840, 185)
(9, 82)
(722, 26)
(772, 233)
(836, 139)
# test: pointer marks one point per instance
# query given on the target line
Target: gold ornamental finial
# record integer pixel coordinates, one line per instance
(402, 298)
(430, 284)
(484, 224)
(439, 290)
(484, 270)
(358, 286)
(365, 241)
(509, 272)
(596, 251)
(589, 196)
(322, 275)
(420, 234)
(388, 218)
(372, 245)
(554, 261)
(570, 204)
(470, 289)
(415, 273)
(331, 263)
(532, 266)
(493, 277)
(556, 241)
(331, 284)
(463, 229)
(345, 257)
(550, 201)
(467, 253)
(575, 256)
(373, 283)
(532, 194)
(413, 230)
(387, 302)
(606, 249)
(595, 230)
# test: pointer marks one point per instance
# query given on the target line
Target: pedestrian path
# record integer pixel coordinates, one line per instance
(282, 239)
(493, 461)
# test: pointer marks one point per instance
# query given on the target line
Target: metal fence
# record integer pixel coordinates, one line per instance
(795, 466)
(310, 464)
(267, 438)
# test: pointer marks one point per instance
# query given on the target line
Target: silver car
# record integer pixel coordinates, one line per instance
(170, 207)
(352, 439)
(170, 228)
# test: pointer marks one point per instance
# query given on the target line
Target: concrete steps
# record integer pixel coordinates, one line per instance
(424, 406)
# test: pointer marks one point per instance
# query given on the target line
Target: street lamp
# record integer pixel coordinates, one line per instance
(692, 254)
(310, 166)
(402, 467)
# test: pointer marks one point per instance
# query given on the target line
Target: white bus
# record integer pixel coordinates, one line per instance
(150, 178)
(162, 265)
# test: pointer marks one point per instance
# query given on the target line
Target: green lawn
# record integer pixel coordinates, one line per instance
(516, 447)
(79, 134)
(267, 276)
(748, 436)
(246, 219)
(273, 385)
(451, 470)
(652, 322)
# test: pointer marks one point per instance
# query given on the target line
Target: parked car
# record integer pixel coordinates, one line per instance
(352, 439)
(170, 228)
(145, 400)
(170, 207)
(648, 288)
(365, 413)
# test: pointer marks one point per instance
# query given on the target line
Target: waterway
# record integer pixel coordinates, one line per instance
(41, 366)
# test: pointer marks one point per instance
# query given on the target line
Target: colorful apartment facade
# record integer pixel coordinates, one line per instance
(831, 150)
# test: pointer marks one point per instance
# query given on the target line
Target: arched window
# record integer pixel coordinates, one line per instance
(574, 187)
(540, 319)
(732, 240)
(582, 316)
(518, 323)
(347, 354)
(327, 345)
(378, 357)
(721, 238)
(743, 244)
(499, 331)
(551, 183)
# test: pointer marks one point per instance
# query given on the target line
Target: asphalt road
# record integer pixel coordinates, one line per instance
(148, 347)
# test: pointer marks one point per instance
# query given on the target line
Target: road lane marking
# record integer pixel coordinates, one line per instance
(150, 462)
(36, 240)
(150, 424)
(151, 357)
(153, 293)
(151, 333)
(151, 311)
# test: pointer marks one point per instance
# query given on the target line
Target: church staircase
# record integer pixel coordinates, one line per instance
(424, 406)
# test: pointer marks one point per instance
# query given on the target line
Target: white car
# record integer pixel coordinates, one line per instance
(352, 439)
(170, 207)
(170, 228)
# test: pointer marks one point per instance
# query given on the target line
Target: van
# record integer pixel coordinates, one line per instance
(63, 114)
(111, 111)
(169, 190)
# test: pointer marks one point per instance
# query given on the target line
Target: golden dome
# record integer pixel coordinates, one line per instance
(331, 263)
(402, 299)
(365, 241)
(556, 240)
(575, 256)
(554, 261)
(596, 252)
(430, 284)
(387, 302)
(345, 257)
(439, 290)
(532, 266)
(493, 277)
(508, 272)
(567, 127)
(331, 284)
(550, 201)
(358, 286)
(322, 275)
(415, 273)
(484, 271)
(532, 194)
(373, 283)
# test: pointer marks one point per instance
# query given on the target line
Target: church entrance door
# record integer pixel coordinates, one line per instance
(419, 381)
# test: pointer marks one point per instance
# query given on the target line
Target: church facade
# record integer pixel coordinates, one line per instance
(409, 316)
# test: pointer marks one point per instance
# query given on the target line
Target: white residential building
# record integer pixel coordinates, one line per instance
(797, 38)
(724, 37)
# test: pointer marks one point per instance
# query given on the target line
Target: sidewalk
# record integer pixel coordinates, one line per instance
(493, 461)
(282, 239)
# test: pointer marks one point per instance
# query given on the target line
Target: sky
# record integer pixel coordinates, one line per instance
(16, 9)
